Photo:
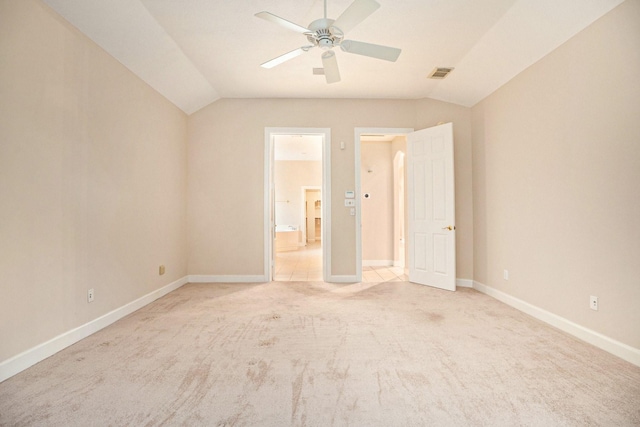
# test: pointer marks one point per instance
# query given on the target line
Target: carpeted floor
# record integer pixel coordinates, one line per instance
(319, 354)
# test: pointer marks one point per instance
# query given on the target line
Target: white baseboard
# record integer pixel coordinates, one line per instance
(623, 351)
(377, 263)
(204, 278)
(28, 358)
(464, 283)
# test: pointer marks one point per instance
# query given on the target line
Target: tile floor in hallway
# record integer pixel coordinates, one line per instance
(305, 264)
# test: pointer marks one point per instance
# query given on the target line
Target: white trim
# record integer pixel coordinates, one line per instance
(325, 231)
(624, 351)
(356, 148)
(269, 132)
(358, 190)
(213, 278)
(269, 234)
(464, 283)
(28, 358)
(377, 263)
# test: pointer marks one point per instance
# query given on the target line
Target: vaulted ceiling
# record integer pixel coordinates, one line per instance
(197, 51)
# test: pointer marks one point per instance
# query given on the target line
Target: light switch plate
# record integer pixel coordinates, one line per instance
(349, 202)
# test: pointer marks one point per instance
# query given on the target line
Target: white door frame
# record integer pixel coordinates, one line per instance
(269, 255)
(358, 134)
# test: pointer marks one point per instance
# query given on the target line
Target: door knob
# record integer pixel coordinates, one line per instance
(450, 227)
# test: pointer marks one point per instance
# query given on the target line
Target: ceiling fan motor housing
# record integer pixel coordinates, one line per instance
(324, 35)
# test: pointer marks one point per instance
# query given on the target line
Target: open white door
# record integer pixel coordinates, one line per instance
(431, 204)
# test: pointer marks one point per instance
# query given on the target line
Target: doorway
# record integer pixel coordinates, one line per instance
(296, 207)
(429, 229)
(381, 155)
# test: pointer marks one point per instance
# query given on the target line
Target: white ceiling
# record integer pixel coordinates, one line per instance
(197, 51)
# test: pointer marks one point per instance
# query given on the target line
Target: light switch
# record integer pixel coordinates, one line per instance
(352, 211)
(349, 202)
(349, 194)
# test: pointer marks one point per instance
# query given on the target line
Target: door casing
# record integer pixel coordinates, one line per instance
(269, 201)
(358, 135)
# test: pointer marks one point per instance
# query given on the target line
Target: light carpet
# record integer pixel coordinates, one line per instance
(320, 354)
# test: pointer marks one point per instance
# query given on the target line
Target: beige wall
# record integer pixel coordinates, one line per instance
(376, 170)
(556, 180)
(226, 145)
(92, 180)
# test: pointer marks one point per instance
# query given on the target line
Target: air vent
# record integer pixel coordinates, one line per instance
(440, 73)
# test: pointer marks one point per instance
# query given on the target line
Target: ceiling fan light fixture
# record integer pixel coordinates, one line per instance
(330, 65)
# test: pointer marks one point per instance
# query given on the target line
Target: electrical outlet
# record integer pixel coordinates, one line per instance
(505, 275)
(593, 303)
(161, 270)
(90, 295)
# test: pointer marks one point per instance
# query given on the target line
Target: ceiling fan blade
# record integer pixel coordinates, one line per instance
(357, 12)
(330, 64)
(287, 56)
(373, 50)
(282, 22)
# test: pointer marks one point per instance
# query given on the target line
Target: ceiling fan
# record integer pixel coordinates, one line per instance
(329, 33)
